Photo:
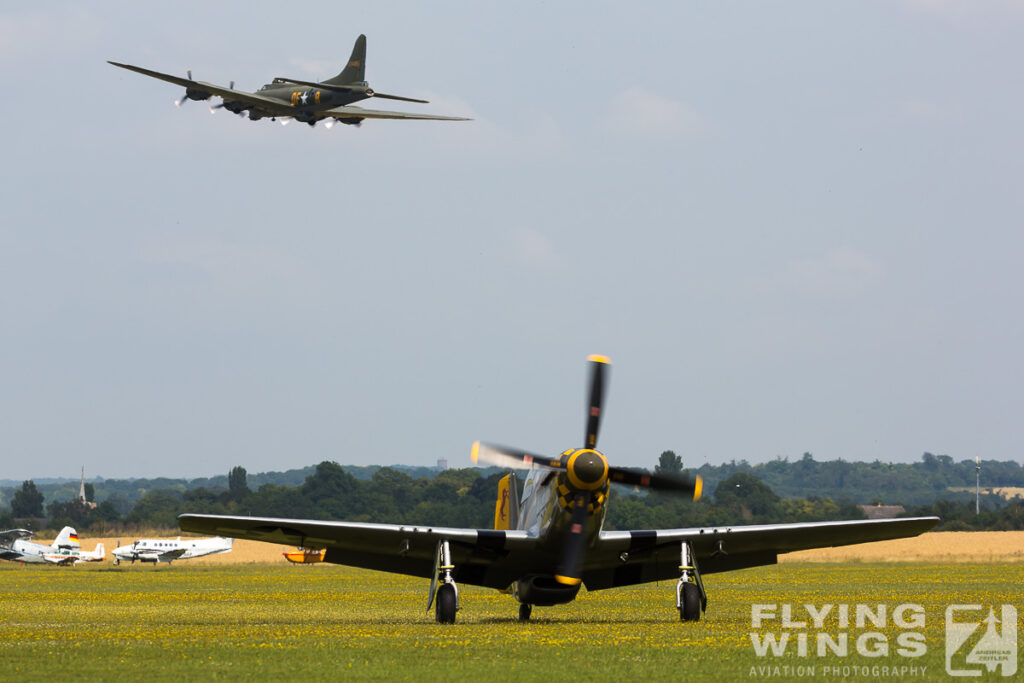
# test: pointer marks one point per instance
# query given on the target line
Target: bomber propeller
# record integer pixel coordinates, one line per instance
(184, 98)
(586, 471)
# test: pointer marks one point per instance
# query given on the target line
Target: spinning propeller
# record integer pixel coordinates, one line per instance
(184, 98)
(585, 472)
(215, 107)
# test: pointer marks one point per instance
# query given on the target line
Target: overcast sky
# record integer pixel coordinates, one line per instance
(792, 226)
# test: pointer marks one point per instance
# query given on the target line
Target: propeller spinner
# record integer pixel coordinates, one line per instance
(586, 472)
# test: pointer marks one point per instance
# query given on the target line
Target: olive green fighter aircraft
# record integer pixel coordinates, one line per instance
(549, 543)
(307, 101)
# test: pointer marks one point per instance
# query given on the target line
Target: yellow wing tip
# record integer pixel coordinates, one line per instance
(698, 488)
(474, 454)
(597, 358)
(567, 580)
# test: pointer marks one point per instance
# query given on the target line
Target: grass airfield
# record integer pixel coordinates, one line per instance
(235, 621)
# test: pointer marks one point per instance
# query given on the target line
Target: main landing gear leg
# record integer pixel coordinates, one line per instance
(691, 599)
(447, 592)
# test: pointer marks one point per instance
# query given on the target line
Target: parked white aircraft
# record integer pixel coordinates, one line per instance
(168, 549)
(65, 549)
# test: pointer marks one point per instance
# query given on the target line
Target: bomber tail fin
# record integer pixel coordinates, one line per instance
(355, 70)
(506, 508)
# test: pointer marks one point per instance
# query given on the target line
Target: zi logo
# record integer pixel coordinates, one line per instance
(976, 643)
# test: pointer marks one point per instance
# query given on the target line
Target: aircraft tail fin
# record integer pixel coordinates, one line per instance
(67, 538)
(506, 508)
(355, 70)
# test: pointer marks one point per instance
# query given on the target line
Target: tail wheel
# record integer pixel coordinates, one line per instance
(524, 611)
(689, 609)
(445, 605)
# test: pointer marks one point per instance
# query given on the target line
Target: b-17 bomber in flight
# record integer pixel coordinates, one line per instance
(307, 101)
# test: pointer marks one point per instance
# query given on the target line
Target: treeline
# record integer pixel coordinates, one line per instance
(465, 498)
(910, 484)
(907, 484)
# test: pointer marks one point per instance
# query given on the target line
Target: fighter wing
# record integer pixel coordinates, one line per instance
(11, 535)
(483, 557)
(266, 104)
(623, 558)
(352, 112)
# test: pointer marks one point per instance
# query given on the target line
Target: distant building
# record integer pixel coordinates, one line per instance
(442, 463)
(81, 492)
(882, 511)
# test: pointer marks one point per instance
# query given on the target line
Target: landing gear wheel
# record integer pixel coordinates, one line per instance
(445, 605)
(524, 611)
(689, 609)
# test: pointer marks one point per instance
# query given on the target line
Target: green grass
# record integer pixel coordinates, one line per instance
(327, 622)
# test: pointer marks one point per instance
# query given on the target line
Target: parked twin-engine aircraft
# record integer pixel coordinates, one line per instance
(169, 549)
(552, 541)
(290, 98)
(64, 551)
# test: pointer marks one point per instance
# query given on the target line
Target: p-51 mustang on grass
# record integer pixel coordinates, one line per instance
(64, 551)
(167, 550)
(290, 98)
(549, 543)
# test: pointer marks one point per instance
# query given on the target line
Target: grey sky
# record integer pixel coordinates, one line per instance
(792, 226)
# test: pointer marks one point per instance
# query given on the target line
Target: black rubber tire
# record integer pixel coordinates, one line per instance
(690, 604)
(445, 604)
(525, 609)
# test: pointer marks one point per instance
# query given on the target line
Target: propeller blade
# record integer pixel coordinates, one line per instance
(570, 572)
(178, 103)
(599, 366)
(284, 121)
(328, 124)
(511, 457)
(231, 85)
(658, 482)
(397, 97)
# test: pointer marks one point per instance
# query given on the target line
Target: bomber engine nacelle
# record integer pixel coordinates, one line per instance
(193, 94)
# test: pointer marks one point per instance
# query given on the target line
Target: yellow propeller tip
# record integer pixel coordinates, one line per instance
(698, 487)
(474, 454)
(567, 580)
(596, 358)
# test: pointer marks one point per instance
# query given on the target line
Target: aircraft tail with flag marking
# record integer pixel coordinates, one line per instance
(67, 538)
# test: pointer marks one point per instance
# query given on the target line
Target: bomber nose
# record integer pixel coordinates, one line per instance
(587, 470)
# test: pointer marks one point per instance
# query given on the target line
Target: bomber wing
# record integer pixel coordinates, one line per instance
(354, 112)
(484, 557)
(272, 106)
(654, 555)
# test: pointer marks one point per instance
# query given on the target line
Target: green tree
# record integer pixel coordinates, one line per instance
(747, 495)
(237, 485)
(669, 463)
(27, 501)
